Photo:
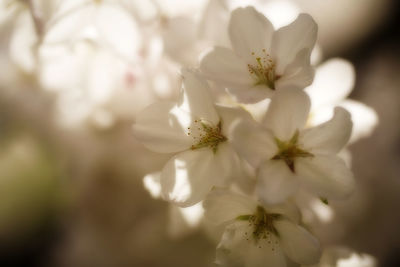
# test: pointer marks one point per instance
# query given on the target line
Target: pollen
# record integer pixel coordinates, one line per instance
(261, 223)
(205, 134)
(289, 151)
(263, 70)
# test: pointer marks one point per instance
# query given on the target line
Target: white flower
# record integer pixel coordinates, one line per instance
(262, 60)
(198, 130)
(289, 156)
(256, 235)
(105, 22)
(334, 81)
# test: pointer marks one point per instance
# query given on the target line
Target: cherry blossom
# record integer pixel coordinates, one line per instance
(262, 60)
(290, 156)
(256, 234)
(197, 130)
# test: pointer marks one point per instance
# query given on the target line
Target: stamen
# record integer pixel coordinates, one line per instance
(289, 151)
(262, 224)
(264, 70)
(205, 134)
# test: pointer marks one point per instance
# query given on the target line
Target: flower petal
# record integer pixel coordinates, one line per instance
(151, 183)
(298, 244)
(249, 31)
(251, 94)
(299, 73)
(275, 182)
(288, 41)
(159, 128)
(325, 175)
(229, 116)
(214, 23)
(226, 68)
(118, 30)
(287, 209)
(222, 206)
(196, 99)
(364, 119)
(238, 248)
(287, 113)
(252, 142)
(189, 176)
(329, 137)
(333, 82)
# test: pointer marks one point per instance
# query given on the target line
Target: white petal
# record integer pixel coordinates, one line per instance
(214, 23)
(159, 128)
(152, 184)
(238, 248)
(118, 30)
(249, 31)
(257, 110)
(326, 176)
(275, 182)
(345, 155)
(298, 244)
(287, 113)
(222, 206)
(193, 215)
(229, 115)
(287, 208)
(252, 142)
(299, 73)
(189, 176)
(70, 27)
(245, 180)
(333, 82)
(223, 66)
(290, 40)
(364, 119)
(196, 99)
(251, 94)
(329, 137)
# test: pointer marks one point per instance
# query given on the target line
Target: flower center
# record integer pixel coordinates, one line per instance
(263, 70)
(289, 151)
(261, 223)
(205, 134)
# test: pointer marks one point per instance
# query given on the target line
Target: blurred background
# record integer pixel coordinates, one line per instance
(73, 75)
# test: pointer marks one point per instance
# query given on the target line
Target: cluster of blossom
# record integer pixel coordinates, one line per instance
(255, 133)
(249, 164)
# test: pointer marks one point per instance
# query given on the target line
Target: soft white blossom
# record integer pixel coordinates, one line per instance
(197, 131)
(257, 235)
(290, 156)
(262, 60)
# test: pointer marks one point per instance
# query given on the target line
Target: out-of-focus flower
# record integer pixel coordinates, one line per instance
(289, 155)
(258, 235)
(262, 60)
(186, 36)
(333, 82)
(92, 56)
(198, 130)
(344, 257)
(18, 39)
(89, 81)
